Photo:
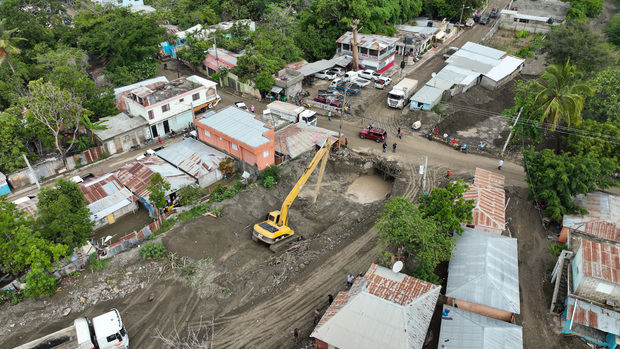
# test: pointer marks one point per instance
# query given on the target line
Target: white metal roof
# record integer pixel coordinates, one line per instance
(417, 29)
(506, 67)
(484, 269)
(284, 106)
(461, 329)
(451, 69)
(237, 124)
(427, 94)
(192, 156)
(171, 174)
(483, 50)
(472, 61)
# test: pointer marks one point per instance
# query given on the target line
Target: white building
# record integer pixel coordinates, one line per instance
(134, 5)
(376, 52)
(172, 106)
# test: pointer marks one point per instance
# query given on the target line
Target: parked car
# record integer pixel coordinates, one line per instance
(361, 82)
(334, 102)
(241, 105)
(337, 70)
(376, 134)
(485, 20)
(325, 75)
(382, 82)
(336, 82)
(351, 75)
(369, 75)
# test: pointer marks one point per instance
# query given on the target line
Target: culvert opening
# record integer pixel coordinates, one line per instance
(370, 187)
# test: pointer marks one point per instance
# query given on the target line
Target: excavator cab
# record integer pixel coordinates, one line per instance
(269, 231)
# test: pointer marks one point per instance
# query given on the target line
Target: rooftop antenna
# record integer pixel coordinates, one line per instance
(397, 267)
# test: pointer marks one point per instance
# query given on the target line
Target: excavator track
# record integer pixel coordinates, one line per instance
(285, 243)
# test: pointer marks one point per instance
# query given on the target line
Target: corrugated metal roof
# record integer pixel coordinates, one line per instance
(119, 124)
(427, 94)
(136, 177)
(171, 174)
(506, 66)
(237, 124)
(601, 261)
(483, 50)
(296, 139)
(323, 64)
(489, 200)
(469, 60)
(119, 90)
(591, 315)
(27, 205)
(99, 187)
(461, 329)
(192, 156)
(417, 29)
(603, 218)
(369, 41)
(381, 310)
(484, 269)
(105, 195)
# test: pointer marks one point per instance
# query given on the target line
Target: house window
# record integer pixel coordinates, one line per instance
(207, 133)
(234, 146)
(363, 50)
(181, 100)
(165, 108)
(346, 47)
(374, 52)
(151, 116)
(195, 96)
(266, 153)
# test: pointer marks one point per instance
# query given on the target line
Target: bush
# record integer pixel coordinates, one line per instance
(40, 283)
(11, 296)
(556, 249)
(221, 193)
(153, 251)
(190, 194)
(268, 182)
(271, 171)
(227, 167)
(96, 264)
(426, 272)
(522, 34)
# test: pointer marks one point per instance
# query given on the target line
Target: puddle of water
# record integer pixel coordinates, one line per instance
(369, 188)
(124, 225)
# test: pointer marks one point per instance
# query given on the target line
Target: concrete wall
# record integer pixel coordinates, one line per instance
(116, 215)
(261, 156)
(176, 123)
(231, 80)
(125, 141)
(481, 309)
(508, 21)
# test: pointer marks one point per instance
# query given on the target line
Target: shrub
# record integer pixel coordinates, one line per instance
(426, 272)
(12, 296)
(227, 167)
(522, 34)
(153, 251)
(556, 249)
(271, 171)
(40, 283)
(268, 182)
(96, 264)
(190, 194)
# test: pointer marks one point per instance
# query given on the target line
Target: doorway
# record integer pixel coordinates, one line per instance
(154, 131)
(166, 127)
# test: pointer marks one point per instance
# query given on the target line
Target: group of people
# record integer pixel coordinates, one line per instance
(385, 147)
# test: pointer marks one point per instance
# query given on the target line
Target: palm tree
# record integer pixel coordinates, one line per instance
(93, 126)
(7, 44)
(562, 96)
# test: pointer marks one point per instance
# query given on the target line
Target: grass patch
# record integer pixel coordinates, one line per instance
(11, 296)
(534, 45)
(95, 264)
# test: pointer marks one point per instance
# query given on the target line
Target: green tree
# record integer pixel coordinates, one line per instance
(40, 283)
(449, 9)
(63, 216)
(402, 225)
(12, 146)
(131, 73)
(447, 207)
(577, 42)
(525, 101)
(555, 179)
(158, 189)
(580, 9)
(596, 144)
(195, 53)
(8, 43)
(562, 96)
(613, 29)
(57, 110)
(604, 104)
(93, 126)
(252, 63)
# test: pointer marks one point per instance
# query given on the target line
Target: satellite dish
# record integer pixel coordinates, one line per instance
(397, 267)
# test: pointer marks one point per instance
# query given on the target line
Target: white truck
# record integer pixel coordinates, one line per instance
(292, 113)
(397, 98)
(105, 331)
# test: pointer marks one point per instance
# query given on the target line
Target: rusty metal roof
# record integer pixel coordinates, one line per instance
(105, 195)
(136, 177)
(369, 41)
(381, 310)
(489, 200)
(27, 205)
(603, 218)
(601, 261)
(594, 316)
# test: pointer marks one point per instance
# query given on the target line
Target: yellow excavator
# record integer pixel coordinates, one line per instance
(275, 228)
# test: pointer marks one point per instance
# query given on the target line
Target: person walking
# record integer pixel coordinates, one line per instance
(296, 335)
(329, 115)
(394, 148)
(346, 142)
(252, 108)
(500, 164)
(384, 147)
(317, 316)
(350, 279)
(330, 299)
(448, 174)
(398, 134)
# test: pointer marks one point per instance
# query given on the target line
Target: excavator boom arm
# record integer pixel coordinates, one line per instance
(323, 152)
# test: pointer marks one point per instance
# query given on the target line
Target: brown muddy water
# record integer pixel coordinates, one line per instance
(124, 225)
(369, 188)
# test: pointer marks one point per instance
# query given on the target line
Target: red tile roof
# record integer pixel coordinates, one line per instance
(399, 292)
(601, 261)
(489, 200)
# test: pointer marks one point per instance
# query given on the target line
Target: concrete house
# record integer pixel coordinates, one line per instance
(483, 275)
(383, 309)
(426, 98)
(489, 197)
(461, 329)
(108, 199)
(376, 52)
(596, 271)
(173, 105)
(602, 220)
(421, 38)
(122, 133)
(240, 134)
(196, 159)
(534, 16)
(219, 59)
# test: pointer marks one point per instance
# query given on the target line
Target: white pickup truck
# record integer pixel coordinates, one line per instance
(105, 331)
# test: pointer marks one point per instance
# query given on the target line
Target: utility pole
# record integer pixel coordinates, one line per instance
(511, 129)
(424, 175)
(32, 174)
(461, 18)
(356, 63)
(344, 105)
